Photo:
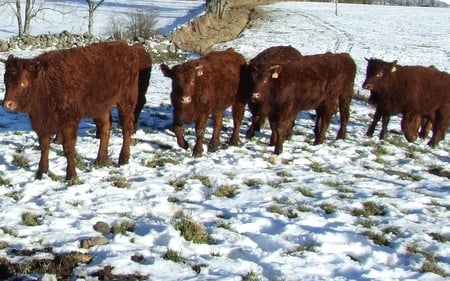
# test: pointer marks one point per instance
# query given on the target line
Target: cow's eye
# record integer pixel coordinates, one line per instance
(24, 83)
(380, 74)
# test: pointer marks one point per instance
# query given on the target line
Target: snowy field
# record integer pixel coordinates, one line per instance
(359, 209)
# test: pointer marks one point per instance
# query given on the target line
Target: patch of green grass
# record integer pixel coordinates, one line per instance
(439, 237)
(9, 231)
(174, 256)
(119, 181)
(75, 203)
(433, 267)
(204, 180)
(381, 194)
(5, 181)
(178, 184)
(253, 182)
(318, 168)
(15, 195)
(289, 213)
(173, 199)
(430, 263)
(377, 238)
(226, 226)
(367, 223)
(306, 247)
(19, 160)
(228, 191)
(392, 229)
(251, 276)
(123, 227)
(31, 219)
(439, 171)
(305, 192)
(192, 230)
(161, 160)
(304, 208)
(328, 208)
(369, 209)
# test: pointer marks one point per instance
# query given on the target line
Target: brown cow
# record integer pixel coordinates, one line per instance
(59, 88)
(414, 91)
(385, 110)
(270, 56)
(145, 68)
(207, 86)
(309, 82)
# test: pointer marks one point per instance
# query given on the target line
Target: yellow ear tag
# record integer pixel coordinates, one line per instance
(394, 69)
(199, 70)
(275, 75)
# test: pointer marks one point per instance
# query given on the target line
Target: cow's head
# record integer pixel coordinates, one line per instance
(378, 73)
(184, 80)
(263, 78)
(20, 76)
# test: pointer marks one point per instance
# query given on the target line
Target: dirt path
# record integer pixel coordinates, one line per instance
(207, 30)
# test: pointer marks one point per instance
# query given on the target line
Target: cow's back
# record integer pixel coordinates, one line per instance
(88, 80)
(420, 89)
(220, 82)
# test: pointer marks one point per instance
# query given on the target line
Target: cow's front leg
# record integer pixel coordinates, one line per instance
(44, 145)
(127, 131)
(178, 130)
(384, 126)
(69, 141)
(200, 127)
(281, 129)
(217, 126)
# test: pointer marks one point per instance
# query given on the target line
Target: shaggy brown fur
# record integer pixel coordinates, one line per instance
(414, 91)
(309, 82)
(203, 87)
(59, 88)
(270, 56)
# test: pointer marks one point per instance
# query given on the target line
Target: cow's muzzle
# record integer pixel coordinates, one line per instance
(10, 105)
(185, 100)
(256, 97)
(367, 86)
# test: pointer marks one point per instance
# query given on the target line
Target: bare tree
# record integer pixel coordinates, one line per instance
(24, 17)
(93, 6)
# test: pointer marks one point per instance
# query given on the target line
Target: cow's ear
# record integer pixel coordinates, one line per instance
(166, 70)
(276, 70)
(394, 66)
(39, 68)
(10, 57)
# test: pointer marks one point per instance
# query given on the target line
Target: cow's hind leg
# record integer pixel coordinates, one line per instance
(44, 145)
(127, 131)
(238, 116)
(103, 125)
(69, 141)
(344, 114)
(324, 114)
(440, 127)
(409, 126)
(217, 118)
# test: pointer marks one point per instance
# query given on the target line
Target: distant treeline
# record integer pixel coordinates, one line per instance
(420, 3)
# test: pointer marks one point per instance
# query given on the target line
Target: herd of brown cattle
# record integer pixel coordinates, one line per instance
(59, 88)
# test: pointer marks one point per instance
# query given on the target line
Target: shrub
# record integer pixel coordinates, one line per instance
(138, 24)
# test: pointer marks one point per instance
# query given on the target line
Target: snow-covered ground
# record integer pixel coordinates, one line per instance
(289, 217)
